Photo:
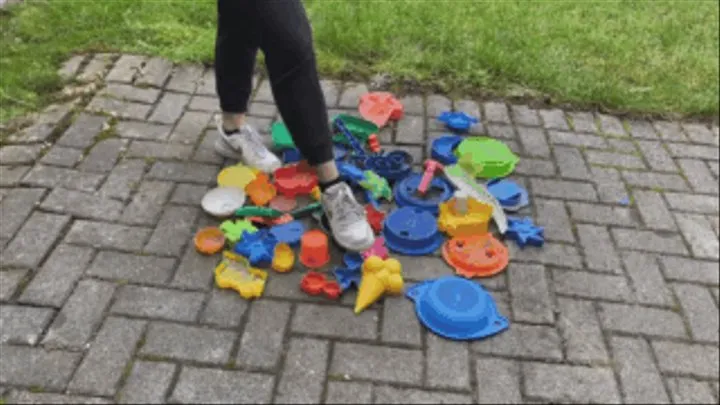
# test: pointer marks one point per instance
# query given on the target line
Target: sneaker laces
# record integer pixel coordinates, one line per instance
(345, 208)
(256, 146)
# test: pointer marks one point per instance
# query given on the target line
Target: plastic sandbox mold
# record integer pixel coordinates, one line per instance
(233, 230)
(476, 255)
(289, 233)
(456, 308)
(377, 186)
(457, 120)
(509, 194)
(462, 216)
(282, 203)
(360, 128)
(392, 166)
(380, 107)
(223, 201)
(314, 249)
(283, 258)
(378, 249)
(406, 193)
(524, 232)
(486, 157)
(209, 240)
(281, 136)
(443, 149)
(314, 283)
(295, 180)
(257, 247)
(374, 217)
(379, 277)
(462, 181)
(412, 231)
(235, 176)
(235, 272)
(353, 261)
(346, 278)
(260, 190)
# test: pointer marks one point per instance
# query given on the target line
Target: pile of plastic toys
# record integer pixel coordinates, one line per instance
(447, 206)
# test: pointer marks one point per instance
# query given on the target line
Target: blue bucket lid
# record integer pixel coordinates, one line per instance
(412, 231)
(443, 149)
(289, 233)
(456, 308)
(405, 192)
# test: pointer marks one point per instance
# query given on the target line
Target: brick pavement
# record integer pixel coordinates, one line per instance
(103, 298)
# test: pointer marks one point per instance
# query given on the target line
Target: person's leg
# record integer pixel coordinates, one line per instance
(286, 41)
(236, 47)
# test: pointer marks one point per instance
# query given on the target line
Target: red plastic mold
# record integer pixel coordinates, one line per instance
(380, 107)
(375, 218)
(284, 219)
(295, 180)
(373, 143)
(314, 283)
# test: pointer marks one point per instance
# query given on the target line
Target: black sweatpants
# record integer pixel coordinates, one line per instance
(280, 28)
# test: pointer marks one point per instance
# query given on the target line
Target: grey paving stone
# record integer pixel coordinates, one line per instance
(323, 320)
(385, 394)
(206, 150)
(105, 235)
(159, 150)
(699, 176)
(698, 232)
(551, 253)
(683, 150)
(190, 343)
(601, 214)
(468, 107)
(496, 112)
(582, 122)
(563, 189)
(577, 140)
(264, 93)
(195, 270)
(413, 104)
(649, 241)
(498, 381)
(447, 363)
(123, 179)
(642, 129)
(360, 361)
(591, 285)
(262, 110)
(304, 372)
(50, 176)
(646, 279)
(224, 309)
(70, 67)
(155, 72)
(611, 125)
(262, 341)
(183, 172)
(200, 385)
(96, 68)
(348, 393)
(436, 105)
(530, 294)
(173, 231)
(599, 251)
(399, 323)
(653, 180)
(609, 184)
(552, 215)
(501, 131)
(656, 156)
(170, 108)
(119, 108)
(62, 156)
(188, 194)
(207, 84)
(689, 391)
(653, 211)
(696, 203)
(639, 377)
(554, 119)
(669, 131)
(125, 68)
(33, 241)
(523, 341)
(351, 95)
(685, 358)
(19, 154)
(131, 267)
(38, 132)
(411, 130)
(82, 205)
(581, 332)
(190, 127)
(699, 133)
(331, 92)
(10, 280)
(80, 315)
(15, 208)
(533, 141)
(31, 366)
(27, 397)
(684, 269)
(147, 204)
(700, 311)
(625, 146)
(130, 93)
(56, 279)
(571, 163)
(185, 78)
(142, 130)
(549, 382)
(204, 103)
(23, 325)
(641, 320)
(10, 175)
(536, 167)
(601, 158)
(147, 383)
(523, 115)
(159, 303)
(104, 364)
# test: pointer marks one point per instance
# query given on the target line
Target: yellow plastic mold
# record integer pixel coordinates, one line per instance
(464, 216)
(234, 272)
(315, 193)
(236, 176)
(379, 277)
(284, 258)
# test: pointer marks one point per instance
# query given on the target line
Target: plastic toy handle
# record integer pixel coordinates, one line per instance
(430, 167)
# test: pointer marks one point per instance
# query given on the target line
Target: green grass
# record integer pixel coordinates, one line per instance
(649, 57)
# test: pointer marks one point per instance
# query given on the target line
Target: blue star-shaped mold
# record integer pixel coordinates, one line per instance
(524, 232)
(257, 247)
(347, 277)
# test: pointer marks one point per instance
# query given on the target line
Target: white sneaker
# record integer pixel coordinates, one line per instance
(247, 146)
(347, 219)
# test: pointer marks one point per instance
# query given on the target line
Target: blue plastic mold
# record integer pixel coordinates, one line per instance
(340, 151)
(456, 308)
(412, 231)
(257, 247)
(350, 173)
(353, 261)
(354, 144)
(511, 196)
(291, 156)
(457, 121)
(524, 232)
(443, 149)
(289, 233)
(405, 193)
(346, 278)
(393, 166)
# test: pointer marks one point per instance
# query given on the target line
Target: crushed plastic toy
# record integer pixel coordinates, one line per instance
(260, 190)
(412, 231)
(233, 230)
(509, 194)
(462, 181)
(443, 149)
(282, 203)
(464, 216)
(379, 277)
(306, 210)
(289, 233)
(351, 140)
(265, 212)
(378, 249)
(456, 308)
(392, 166)
(209, 240)
(234, 272)
(281, 136)
(476, 255)
(257, 247)
(346, 278)
(235, 176)
(457, 120)
(406, 193)
(350, 173)
(380, 107)
(314, 249)
(314, 283)
(353, 261)
(223, 201)
(375, 218)
(294, 180)
(374, 143)
(486, 157)
(524, 232)
(357, 126)
(284, 258)
(378, 186)
(430, 167)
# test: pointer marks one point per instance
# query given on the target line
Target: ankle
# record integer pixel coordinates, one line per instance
(232, 122)
(324, 185)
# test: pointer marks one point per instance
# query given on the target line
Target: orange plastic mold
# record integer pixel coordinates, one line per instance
(260, 190)
(295, 180)
(314, 251)
(476, 255)
(209, 240)
(380, 107)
